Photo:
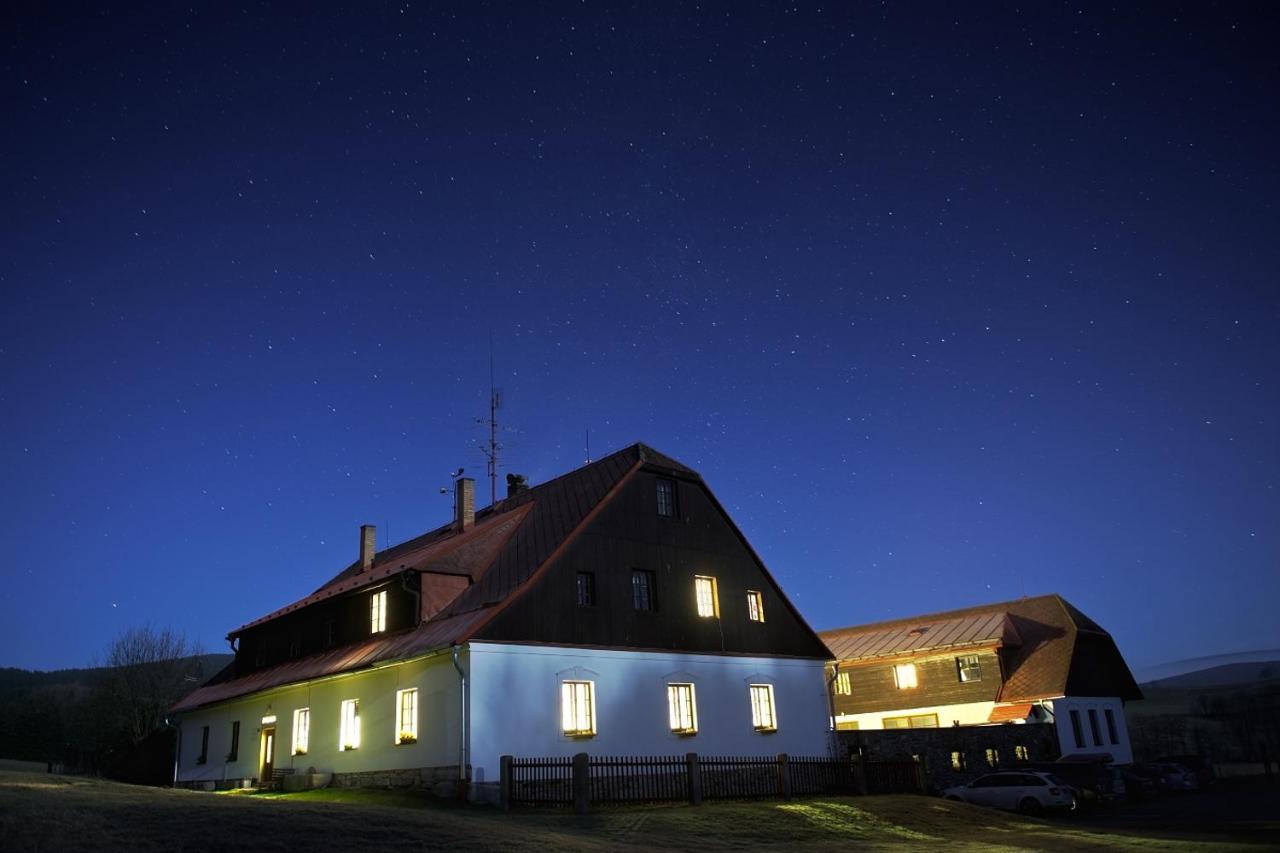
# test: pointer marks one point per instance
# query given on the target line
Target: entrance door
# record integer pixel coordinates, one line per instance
(268, 755)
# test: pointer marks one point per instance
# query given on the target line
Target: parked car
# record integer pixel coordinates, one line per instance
(1030, 792)
(1197, 764)
(1173, 777)
(1095, 783)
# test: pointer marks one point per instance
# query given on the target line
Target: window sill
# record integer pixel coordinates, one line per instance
(766, 730)
(579, 735)
(299, 752)
(409, 741)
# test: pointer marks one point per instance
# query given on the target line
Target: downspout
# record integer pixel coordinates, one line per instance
(463, 758)
(831, 706)
(177, 749)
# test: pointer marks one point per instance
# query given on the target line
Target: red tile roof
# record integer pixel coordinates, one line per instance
(1050, 648)
(510, 543)
(1010, 713)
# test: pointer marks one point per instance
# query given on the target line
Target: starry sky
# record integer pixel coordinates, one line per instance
(948, 303)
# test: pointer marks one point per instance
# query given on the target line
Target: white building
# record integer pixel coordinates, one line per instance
(613, 610)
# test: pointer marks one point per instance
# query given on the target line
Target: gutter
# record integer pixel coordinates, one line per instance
(463, 757)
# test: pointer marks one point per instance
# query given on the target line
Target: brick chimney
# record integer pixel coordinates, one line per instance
(367, 548)
(464, 501)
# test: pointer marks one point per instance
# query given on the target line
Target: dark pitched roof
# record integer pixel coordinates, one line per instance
(510, 543)
(1050, 647)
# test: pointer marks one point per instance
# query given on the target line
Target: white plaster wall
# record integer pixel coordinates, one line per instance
(968, 713)
(1122, 753)
(438, 715)
(515, 703)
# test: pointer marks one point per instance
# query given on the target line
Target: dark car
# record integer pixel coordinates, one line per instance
(1197, 764)
(1095, 782)
(1139, 783)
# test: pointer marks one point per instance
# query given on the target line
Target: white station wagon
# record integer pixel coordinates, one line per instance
(1028, 792)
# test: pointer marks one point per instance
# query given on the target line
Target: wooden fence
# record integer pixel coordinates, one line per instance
(583, 779)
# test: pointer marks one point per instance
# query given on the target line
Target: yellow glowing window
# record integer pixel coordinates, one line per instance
(763, 716)
(904, 675)
(704, 588)
(378, 612)
(349, 733)
(755, 606)
(682, 709)
(301, 730)
(407, 715)
(843, 686)
(578, 708)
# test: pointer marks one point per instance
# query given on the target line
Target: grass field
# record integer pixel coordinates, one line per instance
(58, 813)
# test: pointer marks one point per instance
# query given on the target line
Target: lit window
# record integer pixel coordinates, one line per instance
(666, 498)
(683, 711)
(578, 708)
(301, 730)
(1111, 726)
(407, 715)
(847, 725)
(705, 589)
(993, 757)
(957, 761)
(642, 589)
(904, 675)
(755, 606)
(843, 685)
(969, 668)
(586, 589)
(762, 714)
(915, 721)
(378, 612)
(1021, 753)
(234, 752)
(349, 733)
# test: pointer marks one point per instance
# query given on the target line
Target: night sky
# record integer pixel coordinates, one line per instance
(947, 304)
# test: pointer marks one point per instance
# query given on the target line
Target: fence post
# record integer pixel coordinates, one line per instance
(581, 783)
(784, 776)
(859, 774)
(693, 768)
(504, 782)
(919, 768)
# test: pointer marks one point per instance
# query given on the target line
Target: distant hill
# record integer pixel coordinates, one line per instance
(18, 680)
(1225, 675)
(1153, 673)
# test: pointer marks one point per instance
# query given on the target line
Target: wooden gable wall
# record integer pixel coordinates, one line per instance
(874, 688)
(629, 534)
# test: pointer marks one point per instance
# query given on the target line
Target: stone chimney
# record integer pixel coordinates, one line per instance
(464, 502)
(367, 547)
(516, 484)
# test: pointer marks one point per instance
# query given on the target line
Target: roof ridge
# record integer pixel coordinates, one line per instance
(944, 614)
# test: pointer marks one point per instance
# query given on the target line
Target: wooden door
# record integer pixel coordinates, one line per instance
(268, 755)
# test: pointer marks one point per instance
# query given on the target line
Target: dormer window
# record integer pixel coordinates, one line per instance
(904, 675)
(666, 497)
(378, 612)
(969, 668)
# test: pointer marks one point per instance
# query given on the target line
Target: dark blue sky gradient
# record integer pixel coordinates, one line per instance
(948, 305)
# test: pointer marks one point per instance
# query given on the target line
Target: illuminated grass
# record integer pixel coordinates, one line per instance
(40, 813)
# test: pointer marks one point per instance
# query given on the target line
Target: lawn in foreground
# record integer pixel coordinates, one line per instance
(58, 813)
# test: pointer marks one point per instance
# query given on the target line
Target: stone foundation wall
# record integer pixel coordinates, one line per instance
(935, 748)
(441, 781)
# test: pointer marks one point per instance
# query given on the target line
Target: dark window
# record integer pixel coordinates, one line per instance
(204, 746)
(642, 589)
(586, 589)
(666, 498)
(968, 668)
(329, 637)
(1093, 727)
(1076, 729)
(1111, 726)
(295, 647)
(234, 752)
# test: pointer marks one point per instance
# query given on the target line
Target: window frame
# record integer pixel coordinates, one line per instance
(406, 724)
(764, 710)
(712, 598)
(1094, 728)
(966, 672)
(959, 761)
(682, 708)
(574, 692)
(908, 721)
(300, 736)
(755, 605)
(233, 754)
(1077, 727)
(843, 685)
(203, 757)
(665, 492)
(349, 725)
(584, 589)
(378, 612)
(900, 679)
(646, 580)
(1112, 729)
(993, 756)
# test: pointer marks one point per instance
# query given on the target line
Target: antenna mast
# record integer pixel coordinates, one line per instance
(491, 451)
